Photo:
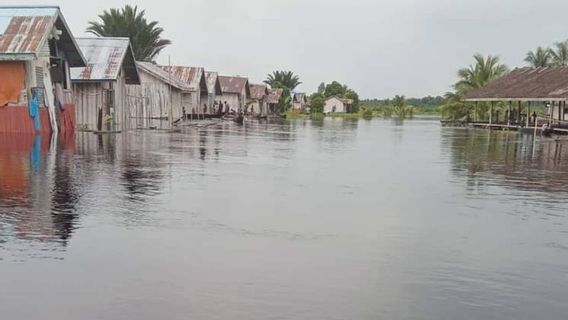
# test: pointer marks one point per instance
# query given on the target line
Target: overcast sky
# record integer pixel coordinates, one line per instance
(380, 48)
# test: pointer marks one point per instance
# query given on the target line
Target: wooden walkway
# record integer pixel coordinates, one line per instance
(514, 127)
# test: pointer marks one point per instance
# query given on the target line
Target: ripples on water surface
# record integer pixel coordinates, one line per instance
(301, 220)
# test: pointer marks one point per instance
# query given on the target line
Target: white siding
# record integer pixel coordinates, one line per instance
(334, 105)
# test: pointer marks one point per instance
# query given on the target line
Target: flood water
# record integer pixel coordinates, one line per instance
(337, 219)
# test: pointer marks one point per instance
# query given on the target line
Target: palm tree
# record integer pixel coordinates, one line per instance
(541, 57)
(485, 70)
(559, 54)
(481, 73)
(283, 79)
(129, 22)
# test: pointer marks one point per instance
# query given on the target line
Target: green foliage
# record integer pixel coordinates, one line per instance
(559, 54)
(287, 81)
(541, 57)
(474, 77)
(367, 114)
(317, 103)
(335, 89)
(342, 91)
(321, 88)
(283, 79)
(128, 22)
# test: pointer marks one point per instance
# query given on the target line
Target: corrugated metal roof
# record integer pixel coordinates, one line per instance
(24, 31)
(105, 57)
(274, 95)
(527, 84)
(258, 91)
(213, 84)
(159, 73)
(192, 76)
(233, 84)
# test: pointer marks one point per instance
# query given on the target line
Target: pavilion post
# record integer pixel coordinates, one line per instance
(491, 112)
(509, 107)
(528, 114)
(475, 112)
(519, 114)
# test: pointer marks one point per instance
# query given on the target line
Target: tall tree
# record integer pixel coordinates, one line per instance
(321, 88)
(559, 54)
(541, 57)
(283, 79)
(481, 73)
(335, 89)
(145, 36)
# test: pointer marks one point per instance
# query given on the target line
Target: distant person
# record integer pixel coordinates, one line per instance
(204, 108)
(227, 109)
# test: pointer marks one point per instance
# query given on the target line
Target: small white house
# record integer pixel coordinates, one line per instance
(337, 105)
(300, 102)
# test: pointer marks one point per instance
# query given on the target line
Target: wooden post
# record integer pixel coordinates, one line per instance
(509, 115)
(519, 114)
(528, 113)
(475, 112)
(491, 112)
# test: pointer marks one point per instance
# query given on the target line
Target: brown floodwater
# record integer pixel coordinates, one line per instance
(334, 219)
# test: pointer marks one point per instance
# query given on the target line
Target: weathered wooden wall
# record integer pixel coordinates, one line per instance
(152, 100)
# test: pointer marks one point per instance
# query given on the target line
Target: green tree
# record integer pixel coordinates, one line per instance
(481, 73)
(541, 57)
(351, 94)
(145, 36)
(317, 102)
(559, 54)
(321, 88)
(485, 70)
(283, 79)
(335, 89)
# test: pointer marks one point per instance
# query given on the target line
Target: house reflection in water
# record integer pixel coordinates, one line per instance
(515, 159)
(37, 192)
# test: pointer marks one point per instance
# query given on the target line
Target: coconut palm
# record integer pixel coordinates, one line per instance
(559, 54)
(128, 22)
(481, 73)
(283, 79)
(541, 57)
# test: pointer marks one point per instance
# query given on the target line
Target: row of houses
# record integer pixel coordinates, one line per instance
(51, 81)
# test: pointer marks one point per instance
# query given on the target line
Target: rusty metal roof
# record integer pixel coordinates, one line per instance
(160, 74)
(258, 91)
(234, 84)
(213, 84)
(105, 57)
(525, 84)
(194, 77)
(274, 95)
(25, 30)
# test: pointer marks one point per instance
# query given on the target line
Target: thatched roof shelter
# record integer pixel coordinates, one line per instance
(525, 85)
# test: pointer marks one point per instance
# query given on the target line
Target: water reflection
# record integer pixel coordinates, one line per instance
(521, 160)
(37, 193)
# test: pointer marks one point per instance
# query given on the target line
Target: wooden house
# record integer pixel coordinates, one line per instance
(213, 89)
(258, 101)
(234, 91)
(100, 87)
(300, 102)
(159, 96)
(337, 105)
(194, 102)
(274, 96)
(37, 49)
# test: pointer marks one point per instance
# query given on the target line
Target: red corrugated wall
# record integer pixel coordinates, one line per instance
(18, 120)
